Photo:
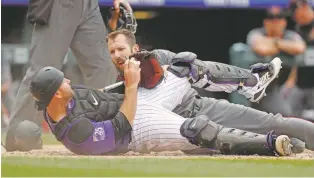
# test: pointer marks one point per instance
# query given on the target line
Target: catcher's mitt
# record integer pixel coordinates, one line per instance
(151, 71)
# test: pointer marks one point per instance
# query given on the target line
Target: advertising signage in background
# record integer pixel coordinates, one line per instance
(183, 3)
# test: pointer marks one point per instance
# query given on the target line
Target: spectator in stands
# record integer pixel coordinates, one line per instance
(273, 39)
(299, 89)
(303, 15)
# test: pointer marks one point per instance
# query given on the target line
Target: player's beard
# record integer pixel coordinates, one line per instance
(117, 65)
(124, 59)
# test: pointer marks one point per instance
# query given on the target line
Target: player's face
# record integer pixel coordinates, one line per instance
(119, 50)
(65, 91)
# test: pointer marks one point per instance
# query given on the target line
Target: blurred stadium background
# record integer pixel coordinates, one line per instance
(215, 30)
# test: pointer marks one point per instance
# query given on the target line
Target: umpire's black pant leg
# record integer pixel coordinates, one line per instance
(49, 46)
(90, 48)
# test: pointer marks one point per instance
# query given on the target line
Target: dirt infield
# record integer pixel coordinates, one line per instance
(61, 151)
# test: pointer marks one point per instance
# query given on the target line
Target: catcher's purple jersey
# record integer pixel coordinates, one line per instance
(100, 142)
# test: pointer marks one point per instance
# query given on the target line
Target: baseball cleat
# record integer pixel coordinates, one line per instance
(265, 78)
(283, 145)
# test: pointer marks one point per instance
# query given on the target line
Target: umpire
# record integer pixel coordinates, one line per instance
(58, 26)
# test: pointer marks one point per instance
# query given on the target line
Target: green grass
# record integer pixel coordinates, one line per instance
(50, 139)
(151, 167)
(44, 167)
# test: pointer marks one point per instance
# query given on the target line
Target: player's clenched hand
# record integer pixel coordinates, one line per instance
(124, 3)
(132, 73)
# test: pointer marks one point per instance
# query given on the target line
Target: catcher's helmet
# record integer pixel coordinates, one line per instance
(23, 136)
(127, 19)
(44, 85)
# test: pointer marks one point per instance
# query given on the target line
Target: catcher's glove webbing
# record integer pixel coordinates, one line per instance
(151, 71)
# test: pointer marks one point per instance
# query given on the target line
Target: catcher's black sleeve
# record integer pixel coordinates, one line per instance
(121, 126)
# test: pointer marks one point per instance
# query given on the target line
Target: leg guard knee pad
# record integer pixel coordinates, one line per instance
(205, 133)
(199, 130)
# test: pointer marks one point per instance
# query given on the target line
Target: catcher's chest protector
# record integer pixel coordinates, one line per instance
(91, 104)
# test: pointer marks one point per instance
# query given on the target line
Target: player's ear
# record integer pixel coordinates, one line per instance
(136, 48)
(58, 94)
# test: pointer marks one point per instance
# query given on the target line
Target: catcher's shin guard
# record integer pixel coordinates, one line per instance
(221, 73)
(250, 83)
(235, 141)
(205, 133)
(186, 64)
(215, 76)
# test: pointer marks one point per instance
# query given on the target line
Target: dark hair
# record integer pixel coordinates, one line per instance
(275, 12)
(128, 34)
